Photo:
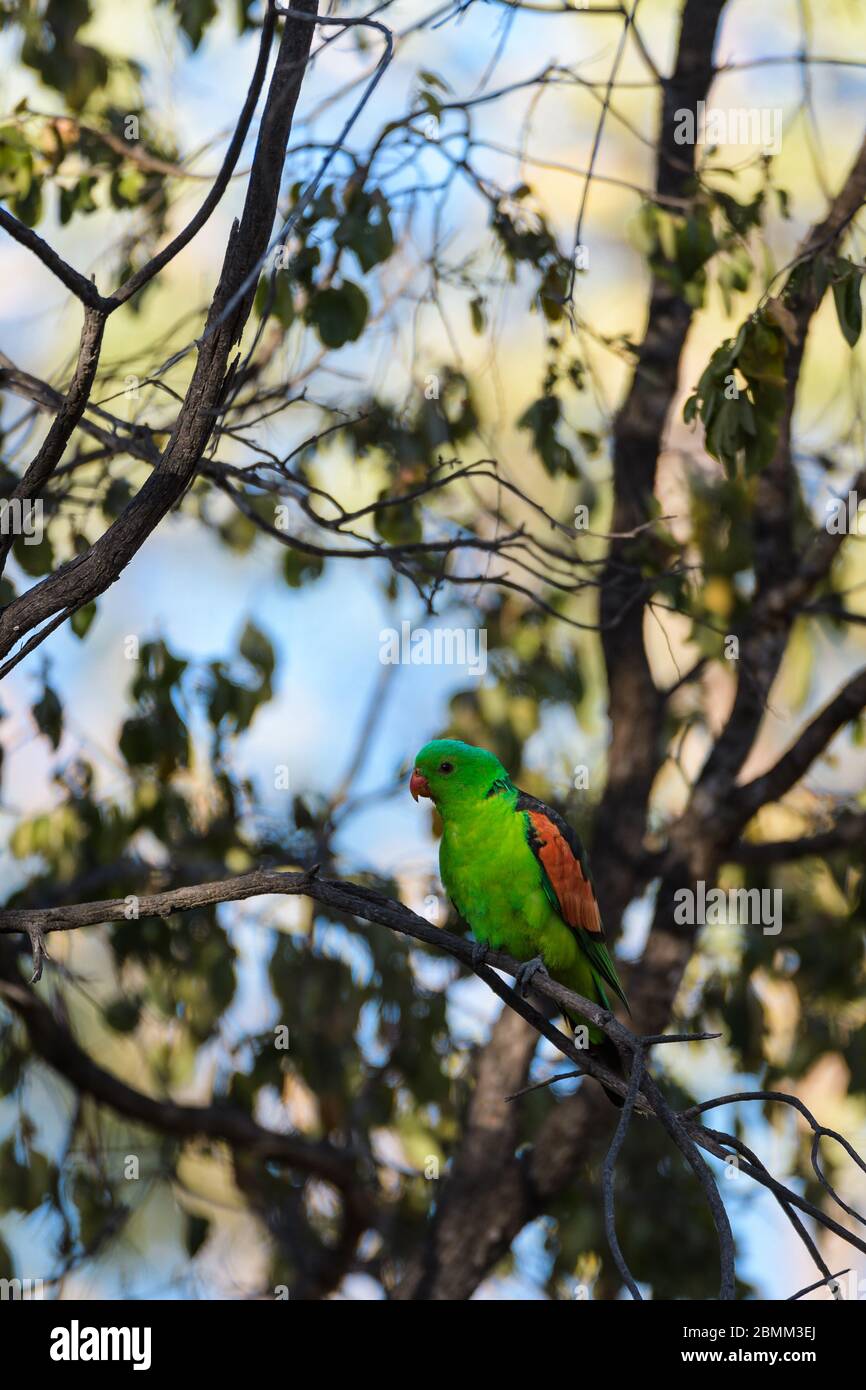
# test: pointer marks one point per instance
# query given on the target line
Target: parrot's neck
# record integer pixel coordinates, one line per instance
(475, 813)
(472, 833)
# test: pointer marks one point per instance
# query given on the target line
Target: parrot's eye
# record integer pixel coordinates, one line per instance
(446, 767)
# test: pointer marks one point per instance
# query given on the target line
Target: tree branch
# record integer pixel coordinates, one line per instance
(119, 437)
(53, 1043)
(636, 706)
(68, 416)
(81, 287)
(780, 584)
(783, 775)
(85, 289)
(218, 1122)
(88, 575)
(158, 262)
(849, 831)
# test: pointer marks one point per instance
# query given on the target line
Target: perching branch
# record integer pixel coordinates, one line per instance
(641, 1091)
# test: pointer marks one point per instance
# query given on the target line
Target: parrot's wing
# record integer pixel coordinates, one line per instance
(567, 882)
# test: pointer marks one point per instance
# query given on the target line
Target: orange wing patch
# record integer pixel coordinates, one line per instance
(572, 888)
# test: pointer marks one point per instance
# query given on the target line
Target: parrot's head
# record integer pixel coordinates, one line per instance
(454, 774)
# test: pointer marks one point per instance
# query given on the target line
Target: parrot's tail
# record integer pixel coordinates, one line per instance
(602, 1050)
(606, 1052)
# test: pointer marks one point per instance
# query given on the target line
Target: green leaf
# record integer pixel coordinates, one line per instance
(695, 244)
(723, 435)
(37, 559)
(78, 199)
(117, 496)
(194, 16)
(338, 314)
(16, 163)
(123, 1014)
(366, 229)
(276, 296)
(48, 713)
(127, 186)
(255, 648)
(159, 739)
(24, 1185)
(95, 1205)
(849, 306)
(477, 313)
(432, 79)
(298, 567)
(542, 419)
(821, 269)
(400, 525)
(82, 618)
(552, 291)
(28, 207)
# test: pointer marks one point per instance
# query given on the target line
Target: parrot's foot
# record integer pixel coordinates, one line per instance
(526, 972)
(480, 953)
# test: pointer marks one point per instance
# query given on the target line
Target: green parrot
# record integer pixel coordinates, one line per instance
(519, 877)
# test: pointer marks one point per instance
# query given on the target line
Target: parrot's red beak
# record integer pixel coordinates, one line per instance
(418, 785)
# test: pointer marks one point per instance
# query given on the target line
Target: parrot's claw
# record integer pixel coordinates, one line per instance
(526, 972)
(480, 953)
